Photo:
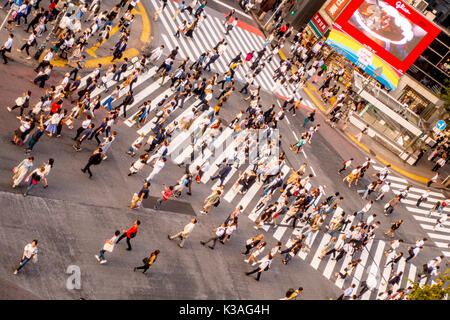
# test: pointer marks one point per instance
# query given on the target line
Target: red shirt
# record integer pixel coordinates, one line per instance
(167, 194)
(283, 28)
(133, 229)
(55, 107)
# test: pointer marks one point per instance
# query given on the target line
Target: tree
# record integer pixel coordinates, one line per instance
(438, 291)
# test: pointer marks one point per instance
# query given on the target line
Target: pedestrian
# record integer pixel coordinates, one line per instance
(368, 285)
(29, 253)
(394, 280)
(394, 245)
(365, 209)
(222, 174)
(148, 262)
(138, 197)
(423, 197)
(347, 293)
(157, 167)
(264, 266)
(21, 170)
(34, 178)
(183, 235)
(383, 190)
(394, 227)
(108, 246)
(310, 117)
(212, 200)
(22, 102)
(439, 164)
(95, 159)
(292, 294)
(346, 165)
(363, 132)
(391, 205)
(7, 48)
(219, 235)
(166, 193)
(28, 43)
(394, 260)
(251, 243)
(130, 234)
(434, 179)
(228, 16)
(440, 221)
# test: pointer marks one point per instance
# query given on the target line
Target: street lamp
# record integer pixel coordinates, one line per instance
(47, 39)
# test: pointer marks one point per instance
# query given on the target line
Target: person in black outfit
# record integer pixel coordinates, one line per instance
(129, 99)
(95, 159)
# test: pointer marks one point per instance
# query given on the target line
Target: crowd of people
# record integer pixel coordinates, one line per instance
(299, 201)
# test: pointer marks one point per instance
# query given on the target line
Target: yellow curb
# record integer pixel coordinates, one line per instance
(130, 53)
(401, 171)
(319, 105)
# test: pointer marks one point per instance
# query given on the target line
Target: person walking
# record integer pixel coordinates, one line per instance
(394, 260)
(108, 246)
(29, 253)
(394, 245)
(130, 233)
(423, 197)
(346, 165)
(34, 178)
(440, 221)
(394, 280)
(347, 293)
(219, 235)
(391, 205)
(183, 235)
(95, 159)
(7, 47)
(385, 188)
(365, 209)
(129, 99)
(21, 170)
(251, 243)
(310, 117)
(166, 194)
(413, 253)
(212, 200)
(222, 174)
(434, 179)
(148, 262)
(394, 227)
(138, 197)
(264, 266)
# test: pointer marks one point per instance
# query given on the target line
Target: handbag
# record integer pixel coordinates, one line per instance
(108, 247)
(146, 260)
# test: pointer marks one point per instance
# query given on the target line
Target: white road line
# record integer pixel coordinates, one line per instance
(316, 261)
(360, 268)
(375, 264)
(230, 7)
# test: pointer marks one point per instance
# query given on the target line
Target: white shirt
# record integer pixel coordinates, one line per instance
(385, 188)
(159, 165)
(188, 228)
(85, 124)
(366, 207)
(8, 43)
(30, 251)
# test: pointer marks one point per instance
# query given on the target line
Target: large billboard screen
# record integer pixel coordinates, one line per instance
(389, 28)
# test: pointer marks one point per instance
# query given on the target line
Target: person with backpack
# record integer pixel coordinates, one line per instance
(138, 197)
(148, 262)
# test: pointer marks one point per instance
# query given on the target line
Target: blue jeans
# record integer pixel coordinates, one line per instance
(305, 122)
(362, 214)
(22, 263)
(365, 193)
(287, 258)
(102, 255)
(31, 186)
(108, 102)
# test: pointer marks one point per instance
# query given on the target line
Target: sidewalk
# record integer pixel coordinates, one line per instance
(420, 173)
(139, 39)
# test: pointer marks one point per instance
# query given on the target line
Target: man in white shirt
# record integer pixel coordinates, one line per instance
(30, 252)
(46, 61)
(423, 197)
(157, 167)
(347, 293)
(185, 233)
(7, 47)
(230, 26)
(29, 42)
(365, 209)
(383, 190)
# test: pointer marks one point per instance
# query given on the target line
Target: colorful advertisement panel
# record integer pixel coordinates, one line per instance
(335, 7)
(388, 28)
(362, 57)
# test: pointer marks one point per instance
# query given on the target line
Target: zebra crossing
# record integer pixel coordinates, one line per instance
(372, 257)
(422, 214)
(207, 35)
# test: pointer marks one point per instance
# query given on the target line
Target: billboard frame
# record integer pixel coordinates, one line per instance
(401, 66)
